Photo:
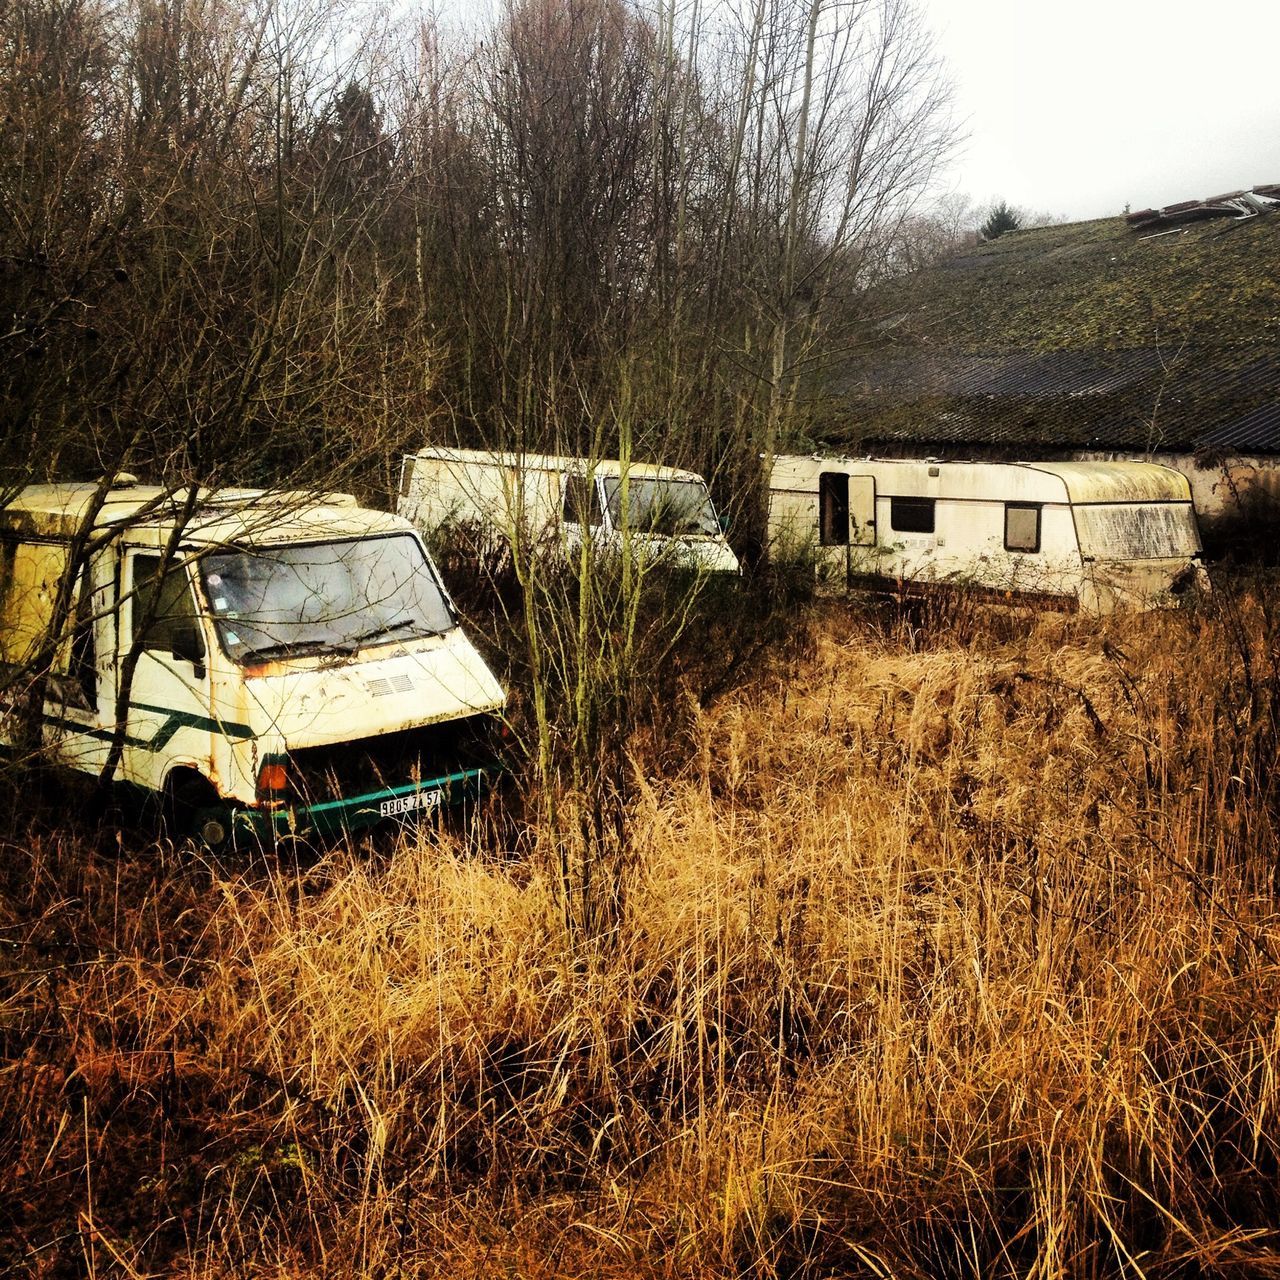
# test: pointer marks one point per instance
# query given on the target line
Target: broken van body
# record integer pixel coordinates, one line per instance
(298, 664)
(1093, 536)
(662, 514)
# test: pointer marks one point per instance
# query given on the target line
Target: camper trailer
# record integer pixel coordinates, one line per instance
(262, 662)
(662, 515)
(1093, 536)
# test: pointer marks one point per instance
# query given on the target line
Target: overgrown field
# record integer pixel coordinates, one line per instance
(941, 946)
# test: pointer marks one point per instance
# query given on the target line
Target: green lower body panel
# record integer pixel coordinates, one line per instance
(351, 813)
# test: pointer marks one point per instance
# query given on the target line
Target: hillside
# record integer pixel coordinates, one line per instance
(947, 945)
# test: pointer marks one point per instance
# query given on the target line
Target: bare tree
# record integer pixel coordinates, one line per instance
(242, 242)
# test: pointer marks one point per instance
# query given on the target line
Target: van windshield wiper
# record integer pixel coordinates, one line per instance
(297, 649)
(387, 628)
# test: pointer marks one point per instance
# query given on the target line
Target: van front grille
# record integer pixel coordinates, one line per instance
(345, 769)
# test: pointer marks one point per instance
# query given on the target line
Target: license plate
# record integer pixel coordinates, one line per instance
(414, 802)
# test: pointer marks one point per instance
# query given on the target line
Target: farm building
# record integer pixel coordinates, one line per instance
(1152, 337)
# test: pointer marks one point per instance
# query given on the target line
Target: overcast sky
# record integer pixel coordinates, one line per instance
(1078, 107)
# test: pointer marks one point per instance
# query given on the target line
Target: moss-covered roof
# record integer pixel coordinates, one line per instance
(1080, 336)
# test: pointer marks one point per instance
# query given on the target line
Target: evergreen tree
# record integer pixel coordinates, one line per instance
(1001, 219)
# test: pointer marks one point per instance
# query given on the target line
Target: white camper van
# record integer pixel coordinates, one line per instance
(1094, 536)
(297, 664)
(663, 514)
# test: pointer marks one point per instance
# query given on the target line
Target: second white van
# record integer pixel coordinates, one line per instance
(662, 514)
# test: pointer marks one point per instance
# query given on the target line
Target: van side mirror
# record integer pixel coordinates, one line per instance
(725, 523)
(187, 645)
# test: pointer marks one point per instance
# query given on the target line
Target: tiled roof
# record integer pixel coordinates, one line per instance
(1068, 337)
(1023, 373)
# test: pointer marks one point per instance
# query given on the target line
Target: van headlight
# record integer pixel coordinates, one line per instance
(273, 784)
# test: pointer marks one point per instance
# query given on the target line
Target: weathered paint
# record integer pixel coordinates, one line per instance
(222, 517)
(1227, 485)
(1117, 481)
(32, 572)
(312, 702)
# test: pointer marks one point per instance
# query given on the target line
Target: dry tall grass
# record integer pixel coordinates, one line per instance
(947, 951)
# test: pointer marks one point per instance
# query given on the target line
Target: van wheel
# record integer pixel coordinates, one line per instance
(212, 827)
(191, 809)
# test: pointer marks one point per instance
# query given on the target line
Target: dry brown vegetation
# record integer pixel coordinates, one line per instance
(944, 947)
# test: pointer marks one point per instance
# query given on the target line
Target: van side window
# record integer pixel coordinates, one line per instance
(911, 515)
(833, 509)
(581, 501)
(84, 667)
(73, 679)
(1021, 526)
(162, 606)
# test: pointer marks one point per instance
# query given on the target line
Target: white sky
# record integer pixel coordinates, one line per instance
(1078, 107)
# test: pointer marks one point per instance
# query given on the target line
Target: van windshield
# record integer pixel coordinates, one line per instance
(322, 597)
(667, 507)
(1137, 531)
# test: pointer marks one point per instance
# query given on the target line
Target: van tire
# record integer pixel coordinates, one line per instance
(190, 809)
(212, 828)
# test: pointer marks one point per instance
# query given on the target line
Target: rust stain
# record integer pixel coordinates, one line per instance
(257, 670)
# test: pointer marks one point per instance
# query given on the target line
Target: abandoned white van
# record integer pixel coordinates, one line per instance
(663, 515)
(296, 666)
(1093, 536)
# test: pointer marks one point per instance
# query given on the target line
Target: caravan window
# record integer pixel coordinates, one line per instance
(1021, 526)
(833, 509)
(911, 515)
(1137, 530)
(581, 501)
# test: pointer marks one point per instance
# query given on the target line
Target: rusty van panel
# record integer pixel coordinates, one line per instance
(313, 701)
(31, 573)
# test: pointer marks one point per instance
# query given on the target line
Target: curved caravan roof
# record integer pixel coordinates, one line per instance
(222, 517)
(1117, 481)
(1075, 482)
(557, 462)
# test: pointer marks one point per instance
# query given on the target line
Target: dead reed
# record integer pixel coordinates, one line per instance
(946, 950)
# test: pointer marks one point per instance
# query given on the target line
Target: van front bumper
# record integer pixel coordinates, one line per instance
(352, 813)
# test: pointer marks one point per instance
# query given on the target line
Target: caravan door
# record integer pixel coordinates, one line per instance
(846, 520)
(862, 511)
